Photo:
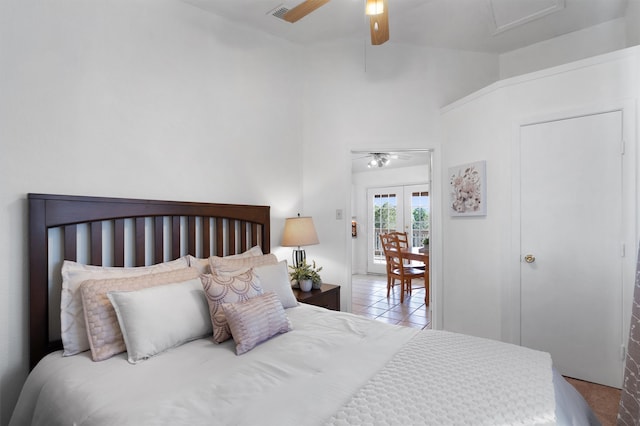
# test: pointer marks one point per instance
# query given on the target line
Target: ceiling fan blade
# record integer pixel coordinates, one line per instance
(303, 9)
(379, 26)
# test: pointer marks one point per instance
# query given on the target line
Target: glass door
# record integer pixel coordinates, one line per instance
(397, 208)
(419, 215)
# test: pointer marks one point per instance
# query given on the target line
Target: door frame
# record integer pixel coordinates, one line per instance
(510, 314)
(435, 234)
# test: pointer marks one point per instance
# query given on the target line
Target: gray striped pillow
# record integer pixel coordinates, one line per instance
(256, 320)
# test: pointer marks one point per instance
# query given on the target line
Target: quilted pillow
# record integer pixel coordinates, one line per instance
(158, 318)
(103, 331)
(221, 289)
(73, 329)
(225, 266)
(203, 264)
(256, 320)
(275, 278)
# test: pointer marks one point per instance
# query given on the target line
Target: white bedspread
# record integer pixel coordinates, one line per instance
(301, 377)
(442, 378)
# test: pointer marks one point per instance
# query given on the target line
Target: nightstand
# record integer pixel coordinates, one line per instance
(328, 296)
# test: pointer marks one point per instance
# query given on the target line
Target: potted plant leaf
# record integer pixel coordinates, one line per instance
(306, 276)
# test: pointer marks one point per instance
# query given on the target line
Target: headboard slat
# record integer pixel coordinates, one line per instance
(96, 243)
(158, 240)
(191, 235)
(49, 212)
(70, 240)
(175, 237)
(118, 243)
(243, 236)
(254, 234)
(206, 237)
(141, 242)
(219, 238)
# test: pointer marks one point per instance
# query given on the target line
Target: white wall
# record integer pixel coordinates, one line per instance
(479, 298)
(375, 179)
(392, 102)
(135, 99)
(606, 37)
(632, 20)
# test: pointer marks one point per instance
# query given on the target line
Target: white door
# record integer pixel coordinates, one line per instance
(396, 208)
(571, 244)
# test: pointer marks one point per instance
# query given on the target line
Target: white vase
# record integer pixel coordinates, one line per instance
(305, 285)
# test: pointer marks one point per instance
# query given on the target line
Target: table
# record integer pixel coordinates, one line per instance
(327, 296)
(414, 254)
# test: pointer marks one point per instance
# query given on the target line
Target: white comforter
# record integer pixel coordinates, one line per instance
(304, 377)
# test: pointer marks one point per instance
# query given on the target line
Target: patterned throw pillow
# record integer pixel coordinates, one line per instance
(225, 266)
(256, 320)
(221, 289)
(203, 264)
(103, 330)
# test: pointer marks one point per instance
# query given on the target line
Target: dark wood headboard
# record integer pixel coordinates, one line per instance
(232, 229)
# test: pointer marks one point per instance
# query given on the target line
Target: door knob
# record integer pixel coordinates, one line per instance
(529, 258)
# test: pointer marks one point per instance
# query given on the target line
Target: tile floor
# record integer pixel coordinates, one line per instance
(369, 298)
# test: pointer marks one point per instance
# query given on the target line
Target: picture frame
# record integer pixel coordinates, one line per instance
(468, 189)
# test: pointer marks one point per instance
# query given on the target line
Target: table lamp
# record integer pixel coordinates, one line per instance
(299, 231)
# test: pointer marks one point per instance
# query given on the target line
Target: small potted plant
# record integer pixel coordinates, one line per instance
(425, 246)
(306, 276)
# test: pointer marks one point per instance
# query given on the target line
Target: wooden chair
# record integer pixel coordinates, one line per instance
(396, 269)
(393, 239)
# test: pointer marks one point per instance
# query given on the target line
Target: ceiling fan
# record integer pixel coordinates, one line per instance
(376, 10)
(382, 159)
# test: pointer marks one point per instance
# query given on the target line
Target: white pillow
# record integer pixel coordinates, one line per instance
(103, 330)
(73, 328)
(203, 264)
(256, 320)
(275, 278)
(158, 318)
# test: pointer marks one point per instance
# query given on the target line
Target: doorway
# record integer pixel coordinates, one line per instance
(411, 167)
(571, 233)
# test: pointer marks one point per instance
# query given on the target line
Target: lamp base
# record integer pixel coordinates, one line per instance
(299, 258)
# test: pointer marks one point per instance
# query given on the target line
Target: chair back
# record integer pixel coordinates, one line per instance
(390, 246)
(401, 237)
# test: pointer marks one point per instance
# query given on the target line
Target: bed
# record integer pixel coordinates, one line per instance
(282, 363)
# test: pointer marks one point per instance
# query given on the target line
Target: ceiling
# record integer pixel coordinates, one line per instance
(493, 26)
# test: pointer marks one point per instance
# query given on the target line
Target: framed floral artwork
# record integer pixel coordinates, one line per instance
(468, 189)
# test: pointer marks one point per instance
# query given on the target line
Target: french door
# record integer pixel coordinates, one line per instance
(395, 208)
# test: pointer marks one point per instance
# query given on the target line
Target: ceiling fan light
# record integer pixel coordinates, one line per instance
(374, 7)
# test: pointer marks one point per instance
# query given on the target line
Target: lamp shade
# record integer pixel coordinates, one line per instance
(299, 231)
